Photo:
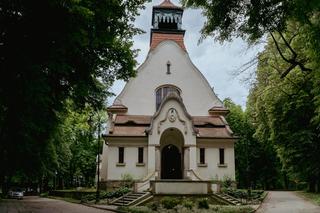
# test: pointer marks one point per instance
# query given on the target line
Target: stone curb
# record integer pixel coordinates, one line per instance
(255, 210)
(102, 207)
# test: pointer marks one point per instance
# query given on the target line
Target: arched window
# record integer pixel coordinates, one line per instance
(163, 91)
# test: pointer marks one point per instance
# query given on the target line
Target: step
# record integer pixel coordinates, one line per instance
(130, 199)
(134, 197)
(121, 204)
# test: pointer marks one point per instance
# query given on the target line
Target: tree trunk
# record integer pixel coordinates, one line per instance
(312, 185)
(285, 180)
(45, 184)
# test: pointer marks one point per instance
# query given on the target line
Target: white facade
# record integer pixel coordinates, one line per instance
(185, 138)
(196, 92)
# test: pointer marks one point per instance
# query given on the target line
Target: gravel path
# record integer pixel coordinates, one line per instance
(287, 202)
(33, 204)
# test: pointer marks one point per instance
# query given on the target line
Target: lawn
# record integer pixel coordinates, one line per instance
(315, 197)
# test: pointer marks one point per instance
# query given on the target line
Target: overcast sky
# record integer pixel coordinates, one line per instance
(216, 61)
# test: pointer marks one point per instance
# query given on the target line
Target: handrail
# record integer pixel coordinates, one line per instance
(195, 174)
(148, 176)
(119, 198)
(146, 180)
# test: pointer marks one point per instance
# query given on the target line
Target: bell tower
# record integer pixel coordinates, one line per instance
(167, 24)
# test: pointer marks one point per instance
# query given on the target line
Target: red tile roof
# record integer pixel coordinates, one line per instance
(137, 119)
(129, 131)
(203, 120)
(117, 108)
(135, 125)
(218, 111)
(158, 37)
(213, 133)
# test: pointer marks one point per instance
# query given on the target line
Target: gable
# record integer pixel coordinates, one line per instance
(139, 93)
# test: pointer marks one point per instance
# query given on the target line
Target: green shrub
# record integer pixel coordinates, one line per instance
(153, 206)
(188, 204)
(169, 202)
(74, 194)
(244, 194)
(203, 203)
(127, 180)
(136, 209)
(227, 182)
(44, 194)
(88, 197)
(114, 194)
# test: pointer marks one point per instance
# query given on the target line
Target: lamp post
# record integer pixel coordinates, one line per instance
(55, 180)
(98, 163)
(90, 122)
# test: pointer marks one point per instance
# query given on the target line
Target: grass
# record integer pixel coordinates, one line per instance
(314, 197)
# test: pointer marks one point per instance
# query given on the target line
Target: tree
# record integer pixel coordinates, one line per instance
(77, 145)
(256, 162)
(285, 110)
(51, 51)
(284, 102)
(252, 20)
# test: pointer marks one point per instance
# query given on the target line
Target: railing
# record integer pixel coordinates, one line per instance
(143, 184)
(195, 174)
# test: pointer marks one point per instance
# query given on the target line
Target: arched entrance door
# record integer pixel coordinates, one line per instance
(171, 162)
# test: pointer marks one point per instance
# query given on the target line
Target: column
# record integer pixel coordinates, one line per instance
(193, 157)
(158, 162)
(186, 161)
(151, 159)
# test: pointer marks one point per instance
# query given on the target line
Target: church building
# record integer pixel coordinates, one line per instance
(167, 128)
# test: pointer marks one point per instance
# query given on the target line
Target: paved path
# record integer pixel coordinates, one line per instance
(33, 204)
(287, 202)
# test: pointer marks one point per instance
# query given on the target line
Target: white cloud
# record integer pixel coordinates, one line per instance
(216, 61)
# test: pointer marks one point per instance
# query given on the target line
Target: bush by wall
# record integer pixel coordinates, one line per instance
(107, 195)
(169, 202)
(203, 204)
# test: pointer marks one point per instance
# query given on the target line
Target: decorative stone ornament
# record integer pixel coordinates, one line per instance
(172, 115)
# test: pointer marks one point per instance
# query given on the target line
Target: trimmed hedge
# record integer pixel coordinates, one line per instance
(89, 195)
(74, 194)
(107, 195)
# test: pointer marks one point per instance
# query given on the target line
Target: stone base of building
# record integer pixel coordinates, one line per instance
(168, 186)
(183, 187)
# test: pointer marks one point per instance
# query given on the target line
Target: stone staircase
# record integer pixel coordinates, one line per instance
(227, 199)
(131, 198)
